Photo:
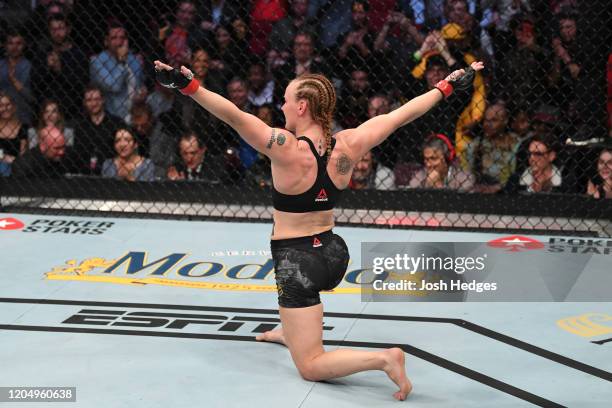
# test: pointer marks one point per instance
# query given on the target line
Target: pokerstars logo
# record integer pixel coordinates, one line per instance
(516, 243)
(57, 226)
(10, 224)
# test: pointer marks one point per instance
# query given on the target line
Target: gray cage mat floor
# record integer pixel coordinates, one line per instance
(66, 320)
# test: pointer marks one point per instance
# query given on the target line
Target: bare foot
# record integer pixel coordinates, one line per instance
(395, 369)
(274, 336)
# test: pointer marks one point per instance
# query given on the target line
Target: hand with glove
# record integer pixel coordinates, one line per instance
(173, 78)
(460, 79)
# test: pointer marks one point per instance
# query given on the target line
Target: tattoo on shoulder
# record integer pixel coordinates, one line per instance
(280, 140)
(272, 138)
(343, 165)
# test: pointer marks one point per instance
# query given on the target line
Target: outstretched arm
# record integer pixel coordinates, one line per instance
(274, 143)
(374, 131)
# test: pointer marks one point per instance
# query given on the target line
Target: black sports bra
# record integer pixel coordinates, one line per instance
(323, 195)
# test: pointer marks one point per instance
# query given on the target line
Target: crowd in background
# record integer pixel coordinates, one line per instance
(78, 94)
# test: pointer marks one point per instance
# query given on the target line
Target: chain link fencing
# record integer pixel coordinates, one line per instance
(84, 126)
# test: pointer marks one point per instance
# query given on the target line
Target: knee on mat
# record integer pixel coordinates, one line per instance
(307, 371)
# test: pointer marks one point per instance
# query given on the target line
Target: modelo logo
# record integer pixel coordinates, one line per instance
(177, 321)
(135, 263)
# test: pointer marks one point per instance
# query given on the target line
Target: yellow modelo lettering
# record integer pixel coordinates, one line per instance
(214, 268)
(262, 271)
(136, 262)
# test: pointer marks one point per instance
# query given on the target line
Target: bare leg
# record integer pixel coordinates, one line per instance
(274, 336)
(303, 333)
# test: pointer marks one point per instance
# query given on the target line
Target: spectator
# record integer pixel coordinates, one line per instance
(369, 174)
(241, 30)
(50, 115)
(267, 114)
(47, 160)
(212, 79)
(161, 100)
(542, 176)
(442, 118)
(428, 13)
(567, 64)
(223, 136)
(380, 104)
(454, 45)
(334, 17)
(524, 70)
(195, 163)
(153, 141)
(184, 114)
(491, 154)
(61, 68)
(218, 12)
(498, 19)
(34, 28)
(118, 73)
(264, 13)
(260, 173)
(261, 86)
(238, 91)
(179, 38)
(15, 13)
(13, 133)
(15, 74)
(601, 185)
(301, 62)
(94, 133)
(395, 45)
(521, 123)
(546, 119)
(544, 123)
(5, 168)
(228, 58)
(353, 103)
(128, 164)
(458, 12)
(440, 170)
(284, 30)
(380, 9)
(356, 45)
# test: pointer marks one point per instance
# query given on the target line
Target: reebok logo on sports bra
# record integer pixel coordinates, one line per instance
(322, 196)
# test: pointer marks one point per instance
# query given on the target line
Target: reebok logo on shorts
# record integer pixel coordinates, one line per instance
(322, 196)
(316, 242)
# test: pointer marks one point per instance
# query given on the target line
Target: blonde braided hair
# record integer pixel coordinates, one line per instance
(321, 97)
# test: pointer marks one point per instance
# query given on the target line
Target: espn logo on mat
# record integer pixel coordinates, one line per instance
(174, 321)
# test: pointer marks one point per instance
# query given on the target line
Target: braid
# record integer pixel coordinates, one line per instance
(321, 97)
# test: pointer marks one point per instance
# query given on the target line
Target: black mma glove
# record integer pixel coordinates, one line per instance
(461, 82)
(173, 78)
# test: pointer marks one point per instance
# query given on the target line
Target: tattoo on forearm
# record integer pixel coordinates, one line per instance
(280, 140)
(343, 165)
(272, 138)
